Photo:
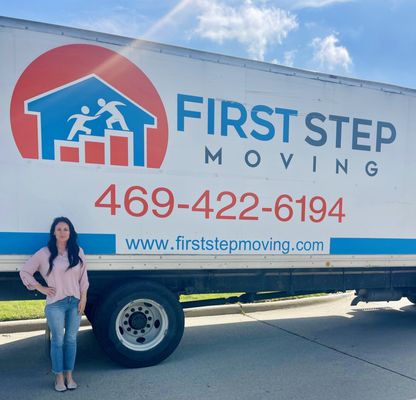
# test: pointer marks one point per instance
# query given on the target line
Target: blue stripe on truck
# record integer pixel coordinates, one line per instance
(372, 246)
(30, 242)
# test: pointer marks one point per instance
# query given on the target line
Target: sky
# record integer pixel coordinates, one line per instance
(367, 39)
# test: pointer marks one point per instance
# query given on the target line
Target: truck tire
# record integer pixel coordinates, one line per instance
(90, 311)
(139, 324)
(412, 299)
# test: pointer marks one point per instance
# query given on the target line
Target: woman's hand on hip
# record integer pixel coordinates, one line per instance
(46, 290)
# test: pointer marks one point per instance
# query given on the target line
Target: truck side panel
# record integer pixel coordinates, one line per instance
(168, 151)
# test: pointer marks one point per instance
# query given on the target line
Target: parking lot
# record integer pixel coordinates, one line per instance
(319, 351)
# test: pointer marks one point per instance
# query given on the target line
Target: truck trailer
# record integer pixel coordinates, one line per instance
(191, 172)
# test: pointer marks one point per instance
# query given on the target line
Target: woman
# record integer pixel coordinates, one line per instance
(62, 266)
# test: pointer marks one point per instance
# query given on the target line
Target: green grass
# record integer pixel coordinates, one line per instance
(33, 309)
(15, 310)
(193, 297)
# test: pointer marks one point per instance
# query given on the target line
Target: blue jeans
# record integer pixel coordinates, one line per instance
(63, 320)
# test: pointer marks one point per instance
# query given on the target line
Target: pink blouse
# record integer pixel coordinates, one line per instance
(67, 282)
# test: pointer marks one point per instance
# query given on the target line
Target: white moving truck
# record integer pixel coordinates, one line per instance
(190, 172)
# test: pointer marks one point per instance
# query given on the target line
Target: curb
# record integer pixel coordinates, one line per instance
(264, 306)
(31, 325)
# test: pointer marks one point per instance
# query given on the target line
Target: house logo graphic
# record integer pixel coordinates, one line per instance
(87, 104)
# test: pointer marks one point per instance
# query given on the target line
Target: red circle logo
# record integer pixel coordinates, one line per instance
(88, 104)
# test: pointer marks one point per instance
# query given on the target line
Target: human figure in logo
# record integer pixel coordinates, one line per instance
(116, 116)
(80, 120)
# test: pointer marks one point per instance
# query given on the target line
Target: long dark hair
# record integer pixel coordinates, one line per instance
(71, 246)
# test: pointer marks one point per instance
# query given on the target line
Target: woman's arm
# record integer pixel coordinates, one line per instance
(26, 275)
(82, 303)
(46, 290)
(83, 283)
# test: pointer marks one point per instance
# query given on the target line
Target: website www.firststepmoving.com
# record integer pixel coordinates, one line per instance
(228, 246)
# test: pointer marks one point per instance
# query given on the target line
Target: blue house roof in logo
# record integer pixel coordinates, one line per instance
(88, 106)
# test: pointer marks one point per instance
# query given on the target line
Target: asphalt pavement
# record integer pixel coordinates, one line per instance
(315, 350)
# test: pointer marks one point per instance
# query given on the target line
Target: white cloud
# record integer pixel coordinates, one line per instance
(289, 58)
(315, 3)
(329, 55)
(256, 27)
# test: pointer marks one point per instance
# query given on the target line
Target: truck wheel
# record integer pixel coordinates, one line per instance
(90, 311)
(139, 324)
